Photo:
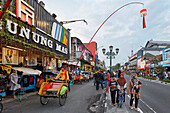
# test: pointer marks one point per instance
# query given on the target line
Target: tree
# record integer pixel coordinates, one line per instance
(160, 69)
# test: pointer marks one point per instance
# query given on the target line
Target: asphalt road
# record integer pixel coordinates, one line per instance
(78, 101)
(155, 97)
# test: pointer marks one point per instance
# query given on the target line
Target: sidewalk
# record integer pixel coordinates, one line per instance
(12, 99)
(109, 108)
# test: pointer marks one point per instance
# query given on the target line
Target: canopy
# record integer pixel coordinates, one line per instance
(27, 71)
(140, 69)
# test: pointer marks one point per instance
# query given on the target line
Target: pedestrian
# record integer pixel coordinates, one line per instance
(107, 80)
(14, 82)
(98, 79)
(130, 89)
(121, 96)
(121, 82)
(119, 73)
(116, 74)
(113, 89)
(136, 89)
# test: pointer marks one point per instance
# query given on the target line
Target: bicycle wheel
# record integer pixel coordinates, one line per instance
(44, 100)
(62, 99)
(1, 107)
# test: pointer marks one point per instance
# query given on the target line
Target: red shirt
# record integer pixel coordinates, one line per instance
(121, 81)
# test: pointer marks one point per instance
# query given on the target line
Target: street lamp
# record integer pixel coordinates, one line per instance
(110, 54)
(66, 22)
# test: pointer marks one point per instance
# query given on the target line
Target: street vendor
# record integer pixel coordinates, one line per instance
(14, 82)
(63, 75)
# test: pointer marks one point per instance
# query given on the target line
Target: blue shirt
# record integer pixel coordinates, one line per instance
(121, 97)
(116, 74)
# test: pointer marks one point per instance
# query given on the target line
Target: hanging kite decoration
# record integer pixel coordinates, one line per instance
(5, 8)
(143, 13)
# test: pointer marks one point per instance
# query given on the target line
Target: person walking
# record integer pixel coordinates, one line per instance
(130, 87)
(14, 82)
(121, 96)
(98, 80)
(107, 80)
(116, 74)
(113, 89)
(121, 82)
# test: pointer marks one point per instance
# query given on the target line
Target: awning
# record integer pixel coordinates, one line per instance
(140, 69)
(27, 71)
(147, 66)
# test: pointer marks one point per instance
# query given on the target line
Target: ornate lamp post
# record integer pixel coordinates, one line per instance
(110, 54)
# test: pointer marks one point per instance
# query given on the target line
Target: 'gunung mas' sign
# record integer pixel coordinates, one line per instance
(37, 38)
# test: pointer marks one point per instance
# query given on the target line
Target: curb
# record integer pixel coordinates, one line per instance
(156, 81)
(11, 100)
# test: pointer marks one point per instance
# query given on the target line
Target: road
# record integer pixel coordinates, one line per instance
(78, 101)
(155, 97)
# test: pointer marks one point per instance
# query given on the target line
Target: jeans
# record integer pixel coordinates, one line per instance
(117, 99)
(120, 103)
(97, 84)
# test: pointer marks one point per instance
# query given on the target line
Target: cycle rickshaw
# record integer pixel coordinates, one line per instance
(53, 89)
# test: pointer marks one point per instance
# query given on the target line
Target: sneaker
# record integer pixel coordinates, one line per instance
(131, 107)
(137, 109)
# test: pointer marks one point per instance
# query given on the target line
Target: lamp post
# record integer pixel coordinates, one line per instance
(110, 54)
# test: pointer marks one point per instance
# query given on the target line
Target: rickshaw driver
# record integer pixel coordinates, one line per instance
(63, 75)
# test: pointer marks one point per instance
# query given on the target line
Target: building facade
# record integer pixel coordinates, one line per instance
(30, 39)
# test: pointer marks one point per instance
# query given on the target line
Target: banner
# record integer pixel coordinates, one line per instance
(9, 56)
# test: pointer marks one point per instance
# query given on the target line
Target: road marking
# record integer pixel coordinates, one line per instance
(140, 110)
(105, 105)
(148, 106)
(133, 103)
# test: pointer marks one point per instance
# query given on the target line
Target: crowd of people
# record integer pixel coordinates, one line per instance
(118, 85)
(164, 75)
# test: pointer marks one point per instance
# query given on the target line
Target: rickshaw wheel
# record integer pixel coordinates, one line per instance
(44, 100)
(1, 107)
(62, 99)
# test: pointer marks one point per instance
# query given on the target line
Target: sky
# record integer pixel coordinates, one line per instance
(123, 30)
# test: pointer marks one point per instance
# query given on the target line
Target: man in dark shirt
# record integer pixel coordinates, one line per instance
(99, 80)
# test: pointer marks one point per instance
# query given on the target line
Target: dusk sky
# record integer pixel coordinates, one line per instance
(123, 30)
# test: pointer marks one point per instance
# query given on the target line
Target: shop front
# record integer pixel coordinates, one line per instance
(30, 40)
(166, 59)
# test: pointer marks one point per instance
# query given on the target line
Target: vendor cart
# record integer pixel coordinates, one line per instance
(28, 77)
(3, 85)
(53, 89)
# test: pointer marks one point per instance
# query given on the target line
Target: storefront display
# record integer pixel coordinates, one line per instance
(10, 56)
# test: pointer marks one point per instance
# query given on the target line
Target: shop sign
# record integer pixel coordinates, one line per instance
(9, 56)
(35, 37)
(25, 12)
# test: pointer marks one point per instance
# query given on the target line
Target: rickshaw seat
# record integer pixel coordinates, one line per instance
(47, 86)
(54, 88)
